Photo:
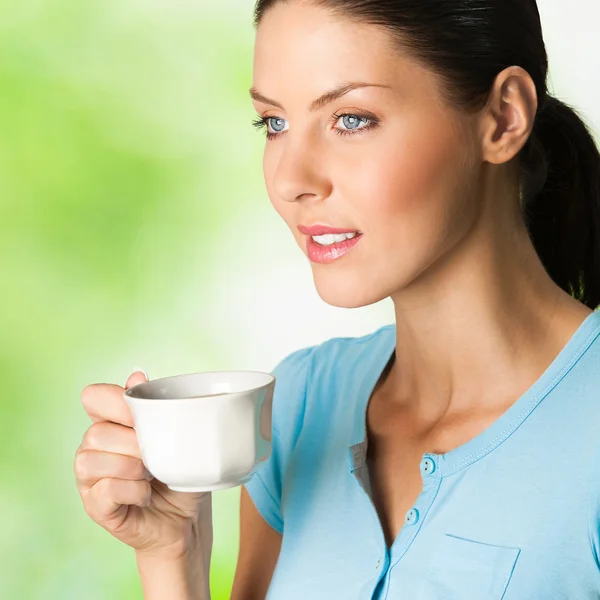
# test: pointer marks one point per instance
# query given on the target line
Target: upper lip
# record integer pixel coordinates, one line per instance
(323, 230)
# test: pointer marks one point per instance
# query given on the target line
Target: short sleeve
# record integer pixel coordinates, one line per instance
(266, 484)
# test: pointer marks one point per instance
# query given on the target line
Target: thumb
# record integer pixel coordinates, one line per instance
(137, 376)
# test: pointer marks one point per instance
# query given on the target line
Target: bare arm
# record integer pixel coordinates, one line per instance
(259, 550)
(186, 578)
(182, 579)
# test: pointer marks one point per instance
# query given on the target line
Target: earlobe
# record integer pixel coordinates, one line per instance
(510, 115)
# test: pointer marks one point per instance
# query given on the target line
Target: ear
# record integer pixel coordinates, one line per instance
(508, 121)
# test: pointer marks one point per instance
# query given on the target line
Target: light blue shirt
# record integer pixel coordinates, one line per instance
(513, 513)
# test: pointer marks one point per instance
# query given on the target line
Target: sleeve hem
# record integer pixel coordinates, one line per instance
(264, 502)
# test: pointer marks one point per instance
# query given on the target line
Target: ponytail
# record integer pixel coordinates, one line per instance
(561, 196)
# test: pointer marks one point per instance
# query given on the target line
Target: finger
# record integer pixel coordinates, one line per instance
(137, 376)
(107, 496)
(91, 466)
(105, 402)
(111, 437)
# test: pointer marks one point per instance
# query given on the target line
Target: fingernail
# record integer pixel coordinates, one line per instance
(140, 370)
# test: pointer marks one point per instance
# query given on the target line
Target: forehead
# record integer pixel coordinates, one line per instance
(302, 50)
(299, 41)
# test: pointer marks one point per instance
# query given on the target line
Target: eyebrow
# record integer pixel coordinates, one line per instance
(322, 100)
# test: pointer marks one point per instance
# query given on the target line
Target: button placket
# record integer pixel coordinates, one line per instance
(415, 516)
(427, 467)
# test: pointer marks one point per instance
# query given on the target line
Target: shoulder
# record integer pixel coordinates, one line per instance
(304, 369)
(297, 367)
(341, 355)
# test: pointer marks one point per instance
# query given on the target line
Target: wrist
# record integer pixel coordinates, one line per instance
(184, 577)
(181, 573)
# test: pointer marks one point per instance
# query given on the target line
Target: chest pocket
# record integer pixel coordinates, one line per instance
(462, 569)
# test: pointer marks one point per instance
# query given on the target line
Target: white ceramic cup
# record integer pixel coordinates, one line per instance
(203, 431)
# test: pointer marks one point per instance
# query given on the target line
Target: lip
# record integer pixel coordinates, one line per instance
(323, 230)
(328, 254)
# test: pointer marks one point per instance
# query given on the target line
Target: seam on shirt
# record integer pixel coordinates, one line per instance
(531, 406)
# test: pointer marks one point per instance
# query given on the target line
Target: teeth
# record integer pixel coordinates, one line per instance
(329, 239)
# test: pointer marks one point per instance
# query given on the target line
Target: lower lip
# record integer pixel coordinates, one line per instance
(327, 254)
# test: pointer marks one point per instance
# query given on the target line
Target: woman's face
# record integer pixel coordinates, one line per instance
(400, 168)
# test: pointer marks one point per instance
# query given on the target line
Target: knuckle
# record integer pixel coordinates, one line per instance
(88, 395)
(93, 436)
(104, 487)
(81, 465)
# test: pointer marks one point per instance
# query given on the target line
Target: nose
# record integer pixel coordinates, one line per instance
(300, 172)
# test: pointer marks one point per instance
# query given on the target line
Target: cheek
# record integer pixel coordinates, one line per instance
(412, 178)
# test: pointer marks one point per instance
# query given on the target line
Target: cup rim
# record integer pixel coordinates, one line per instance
(129, 397)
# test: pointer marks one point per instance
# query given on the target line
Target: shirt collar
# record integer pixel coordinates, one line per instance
(379, 351)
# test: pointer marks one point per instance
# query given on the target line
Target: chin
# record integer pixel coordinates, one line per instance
(348, 294)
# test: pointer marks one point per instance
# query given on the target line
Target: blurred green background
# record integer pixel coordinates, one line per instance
(126, 146)
(135, 230)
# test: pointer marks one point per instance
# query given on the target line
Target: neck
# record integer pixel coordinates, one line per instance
(478, 327)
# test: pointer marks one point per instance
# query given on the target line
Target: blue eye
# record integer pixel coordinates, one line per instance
(351, 122)
(279, 123)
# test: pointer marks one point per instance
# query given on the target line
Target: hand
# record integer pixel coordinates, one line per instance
(117, 490)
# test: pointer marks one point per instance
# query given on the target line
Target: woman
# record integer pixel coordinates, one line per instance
(452, 455)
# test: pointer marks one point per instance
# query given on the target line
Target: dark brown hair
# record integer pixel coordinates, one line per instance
(467, 43)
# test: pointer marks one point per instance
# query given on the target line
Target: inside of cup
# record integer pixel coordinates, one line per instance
(195, 385)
